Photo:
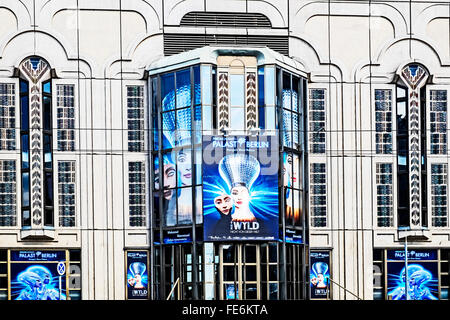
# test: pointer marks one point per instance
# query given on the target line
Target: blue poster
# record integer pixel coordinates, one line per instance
(240, 188)
(319, 274)
(137, 275)
(423, 281)
(34, 275)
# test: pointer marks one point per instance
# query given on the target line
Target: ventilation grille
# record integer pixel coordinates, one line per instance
(225, 20)
(176, 43)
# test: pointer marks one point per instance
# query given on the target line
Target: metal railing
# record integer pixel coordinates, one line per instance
(176, 285)
(346, 290)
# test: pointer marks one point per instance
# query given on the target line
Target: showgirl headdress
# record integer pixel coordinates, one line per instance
(320, 267)
(137, 268)
(239, 170)
(290, 119)
(177, 130)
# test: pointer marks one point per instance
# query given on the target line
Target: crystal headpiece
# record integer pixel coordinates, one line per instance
(177, 130)
(137, 268)
(290, 119)
(320, 267)
(239, 169)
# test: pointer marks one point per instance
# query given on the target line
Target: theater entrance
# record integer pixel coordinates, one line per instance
(240, 275)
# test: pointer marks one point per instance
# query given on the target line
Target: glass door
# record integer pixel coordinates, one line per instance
(240, 274)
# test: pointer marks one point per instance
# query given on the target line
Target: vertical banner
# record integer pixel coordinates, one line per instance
(423, 279)
(137, 275)
(240, 187)
(319, 274)
(34, 275)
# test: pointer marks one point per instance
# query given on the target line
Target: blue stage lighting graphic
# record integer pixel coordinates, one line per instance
(421, 284)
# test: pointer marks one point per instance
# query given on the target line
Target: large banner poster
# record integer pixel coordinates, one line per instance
(38, 275)
(137, 275)
(423, 280)
(240, 188)
(319, 274)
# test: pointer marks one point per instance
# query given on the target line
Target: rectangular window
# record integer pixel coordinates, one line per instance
(439, 217)
(65, 113)
(7, 116)
(136, 195)
(8, 215)
(438, 121)
(135, 107)
(317, 124)
(385, 214)
(318, 197)
(66, 193)
(383, 121)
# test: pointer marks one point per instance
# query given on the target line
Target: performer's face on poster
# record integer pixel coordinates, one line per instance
(295, 176)
(287, 170)
(241, 196)
(169, 180)
(184, 167)
(223, 204)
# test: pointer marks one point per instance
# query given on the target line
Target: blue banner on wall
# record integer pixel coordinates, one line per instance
(34, 275)
(319, 274)
(423, 279)
(137, 275)
(240, 188)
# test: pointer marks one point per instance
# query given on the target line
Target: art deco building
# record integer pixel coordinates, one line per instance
(229, 149)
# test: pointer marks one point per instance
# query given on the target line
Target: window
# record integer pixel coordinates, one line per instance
(66, 193)
(385, 215)
(411, 146)
(135, 106)
(179, 147)
(65, 111)
(36, 141)
(318, 195)
(439, 217)
(7, 193)
(237, 93)
(136, 195)
(317, 124)
(438, 121)
(383, 121)
(7, 116)
(291, 109)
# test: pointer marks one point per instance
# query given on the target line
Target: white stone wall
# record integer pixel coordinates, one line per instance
(348, 47)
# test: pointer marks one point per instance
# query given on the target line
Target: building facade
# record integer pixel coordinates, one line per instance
(110, 110)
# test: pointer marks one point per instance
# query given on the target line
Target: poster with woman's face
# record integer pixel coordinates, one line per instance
(137, 275)
(319, 274)
(240, 188)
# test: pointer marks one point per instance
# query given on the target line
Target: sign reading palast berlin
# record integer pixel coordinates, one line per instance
(240, 187)
(34, 275)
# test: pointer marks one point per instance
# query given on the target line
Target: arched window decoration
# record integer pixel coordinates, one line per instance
(36, 143)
